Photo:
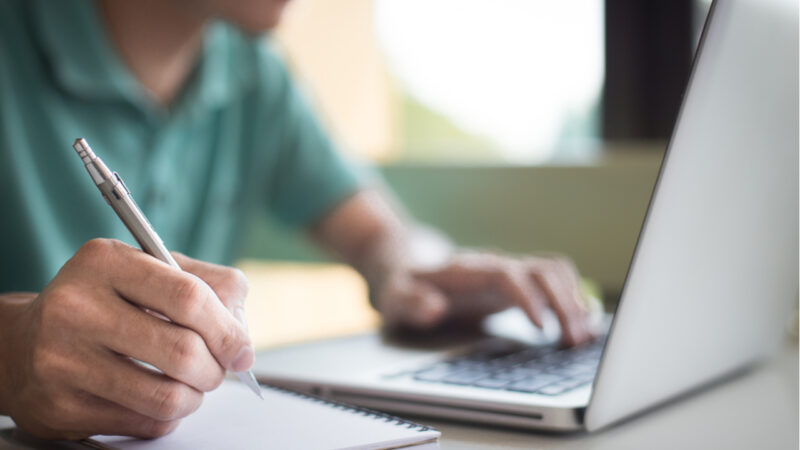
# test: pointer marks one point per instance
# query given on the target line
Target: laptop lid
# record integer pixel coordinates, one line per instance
(716, 267)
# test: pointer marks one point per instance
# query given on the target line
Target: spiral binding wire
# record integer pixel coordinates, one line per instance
(388, 418)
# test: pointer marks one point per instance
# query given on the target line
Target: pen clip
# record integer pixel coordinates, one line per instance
(120, 182)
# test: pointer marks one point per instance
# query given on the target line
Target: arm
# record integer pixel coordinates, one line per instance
(366, 232)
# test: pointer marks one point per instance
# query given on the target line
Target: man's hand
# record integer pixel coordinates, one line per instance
(366, 231)
(471, 286)
(67, 366)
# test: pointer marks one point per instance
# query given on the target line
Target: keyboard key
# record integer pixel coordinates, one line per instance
(570, 371)
(533, 384)
(516, 373)
(492, 383)
(554, 389)
(535, 364)
(436, 374)
(464, 377)
(583, 379)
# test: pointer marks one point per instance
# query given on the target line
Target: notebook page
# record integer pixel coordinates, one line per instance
(232, 417)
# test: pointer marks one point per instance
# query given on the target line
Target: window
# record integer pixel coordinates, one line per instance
(512, 80)
(477, 81)
(453, 80)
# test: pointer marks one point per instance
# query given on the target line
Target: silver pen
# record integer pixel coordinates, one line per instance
(119, 197)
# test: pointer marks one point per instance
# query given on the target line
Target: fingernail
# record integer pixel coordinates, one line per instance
(239, 314)
(244, 360)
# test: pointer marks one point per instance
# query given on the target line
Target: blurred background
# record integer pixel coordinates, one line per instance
(521, 126)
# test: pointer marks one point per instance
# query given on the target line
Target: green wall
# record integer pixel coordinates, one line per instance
(591, 212)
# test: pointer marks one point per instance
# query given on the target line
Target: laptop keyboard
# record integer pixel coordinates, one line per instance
(542, 370)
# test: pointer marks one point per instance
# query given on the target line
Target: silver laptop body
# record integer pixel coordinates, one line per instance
(712, 280)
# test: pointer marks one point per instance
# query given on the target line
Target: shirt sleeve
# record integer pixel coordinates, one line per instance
(311, 176)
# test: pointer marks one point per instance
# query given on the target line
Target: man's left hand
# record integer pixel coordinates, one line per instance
(471, 286)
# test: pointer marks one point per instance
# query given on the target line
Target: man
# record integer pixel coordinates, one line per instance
(205, 124)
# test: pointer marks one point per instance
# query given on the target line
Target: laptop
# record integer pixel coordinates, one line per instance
(709, 289)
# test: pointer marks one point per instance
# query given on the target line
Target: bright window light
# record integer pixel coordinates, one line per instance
(522, 75)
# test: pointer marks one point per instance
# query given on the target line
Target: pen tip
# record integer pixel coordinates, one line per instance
(249, 380)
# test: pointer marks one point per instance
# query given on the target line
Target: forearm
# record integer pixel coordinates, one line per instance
(367, 232)
(11, 306)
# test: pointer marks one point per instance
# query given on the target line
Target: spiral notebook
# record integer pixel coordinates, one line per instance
(232, 417)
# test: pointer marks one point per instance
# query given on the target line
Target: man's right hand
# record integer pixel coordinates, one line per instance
(67, 368)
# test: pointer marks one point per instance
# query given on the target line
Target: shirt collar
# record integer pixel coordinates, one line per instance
(86, 65)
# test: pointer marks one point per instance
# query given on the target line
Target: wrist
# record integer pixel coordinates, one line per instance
(401, 255)
(12, 306)
(383, 260)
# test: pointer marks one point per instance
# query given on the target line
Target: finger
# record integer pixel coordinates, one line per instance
(230, 284)
(117, 421)
(182, 297)
(561, 299)
(567, 276)
(514, 284)
(127, 383)
(415, 304)
(570, 277)
(177, 351)
(484, 273)
(96, 416)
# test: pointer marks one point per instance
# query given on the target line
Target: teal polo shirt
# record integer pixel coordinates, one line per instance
(240, 137)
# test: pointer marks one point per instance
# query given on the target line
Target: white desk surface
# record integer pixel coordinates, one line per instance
(755, 410)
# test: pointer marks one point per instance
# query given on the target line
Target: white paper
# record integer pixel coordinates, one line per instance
(233, 417)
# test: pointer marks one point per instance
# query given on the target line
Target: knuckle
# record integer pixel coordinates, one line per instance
(231, 285)
(504, 276)
(559, 264)
(189, 293)
(551, 267)
(231, 339)
(238, 282)
(98, 248)
(564, 260)
(496, 275)
(185, 352)
(538, 269)
(170, 398)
